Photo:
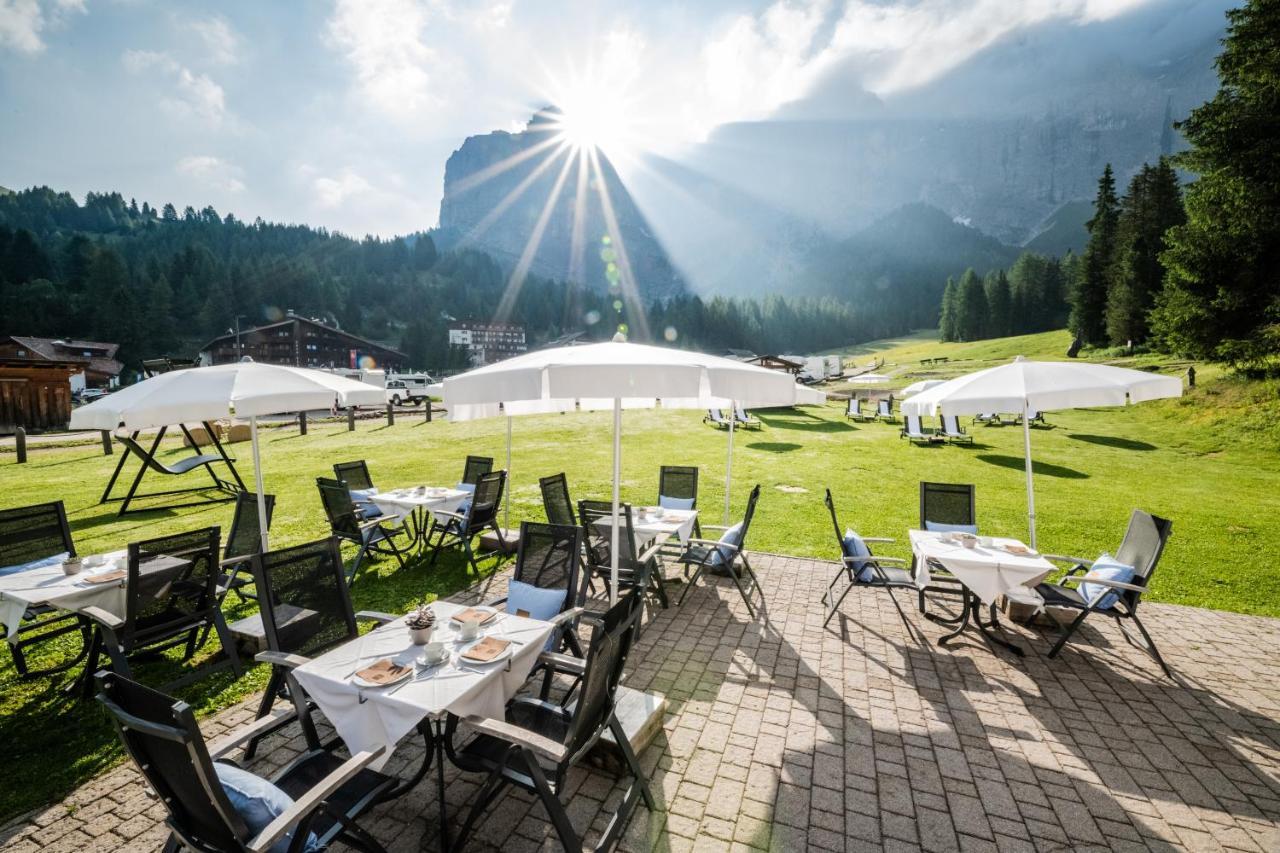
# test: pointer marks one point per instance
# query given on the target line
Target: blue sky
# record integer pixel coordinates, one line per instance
(342, 114)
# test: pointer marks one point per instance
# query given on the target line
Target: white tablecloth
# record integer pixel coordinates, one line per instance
(389, 713)
(400, 503)
(989, 571)
(21, 588)
(674, 522)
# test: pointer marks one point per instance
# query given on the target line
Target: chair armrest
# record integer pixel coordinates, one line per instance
(447, 514)
(716, 542)
(521, 737)
(494, 602)
(225, 744)
(1058, 558)
(284, 659)
(714, 526)
(232, 561)
(376, 616)
(371, 522)
(650, 554)
(1105, 582)
(564, 663)
(875, 558)
(567, 616)
(97, 614)
(311, 800)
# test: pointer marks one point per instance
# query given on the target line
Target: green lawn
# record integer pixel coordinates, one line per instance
(1207, 462)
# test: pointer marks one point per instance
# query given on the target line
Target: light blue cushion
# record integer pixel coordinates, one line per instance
(539, 603)
(855, 547)
(360, 497)
(469, 488)
(732, 536)
(939, 527)
(1105, 568)
(42, 563)
(258, 802)
(675, 503)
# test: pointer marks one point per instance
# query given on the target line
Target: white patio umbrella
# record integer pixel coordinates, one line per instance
(244, 388)
(617, 375)
(921, 386)
(1041, 386)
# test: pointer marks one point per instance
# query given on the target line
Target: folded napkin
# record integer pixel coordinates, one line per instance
(105, 577)
(486, 650)
(473, 615)
(383, 672)
(1017, 549)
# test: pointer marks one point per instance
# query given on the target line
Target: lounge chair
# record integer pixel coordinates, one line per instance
(859, 567)
(147, 456)
(1143, 543)
(987, 419)
(744, 420)
(914, 431)
(952, 431)
(716, 417)
(884, 411)
(855, 412)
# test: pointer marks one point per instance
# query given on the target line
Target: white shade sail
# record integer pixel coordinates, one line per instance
(1039, 386)
(244, 389)
(1043, 386)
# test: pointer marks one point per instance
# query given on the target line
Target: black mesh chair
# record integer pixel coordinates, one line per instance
(306, 610)
(680, 482)
(636, 570)
(550, 557)
(875, 571)
(539, 742)
(1142, 547)
(475, 468)
(705, 554)
(27, 534)
(354, 474)
(952, 504)
(459, 529)
(369, 535)
(555, 500)
(243, 542)
(171, 597)
(161, 736)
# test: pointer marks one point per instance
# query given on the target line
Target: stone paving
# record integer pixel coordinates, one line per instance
(780, 735)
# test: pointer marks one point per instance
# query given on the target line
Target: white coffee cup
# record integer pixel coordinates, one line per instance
(985, 541)
(433, 652)
(468, 630)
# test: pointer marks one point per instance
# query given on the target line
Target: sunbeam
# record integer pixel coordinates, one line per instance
(512, 197)
(492, 171)
(516, 281)
(619, 269)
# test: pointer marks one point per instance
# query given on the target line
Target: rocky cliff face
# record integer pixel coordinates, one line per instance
(501, 190)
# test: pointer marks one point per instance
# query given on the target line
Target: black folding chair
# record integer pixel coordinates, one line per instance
(680, 482)
(1142, 547)
(243, 542)
(370, 535)
(306, 610)
(944, 503)
(171, 597)
(875, 571)
(555, 500)
(636, 570)
(710, 553)
(27, 534)
(539, 742)
(460, 528)
(475, 468)
(162, 737)
(354, 474)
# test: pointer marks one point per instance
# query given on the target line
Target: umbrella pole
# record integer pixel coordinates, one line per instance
(257, 478)
(728, 467)
(506, 503)
(1031, 494)
(617, 476)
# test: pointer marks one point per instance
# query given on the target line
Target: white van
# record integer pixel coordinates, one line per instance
(408, 388)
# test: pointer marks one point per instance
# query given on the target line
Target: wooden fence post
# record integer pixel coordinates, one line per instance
(391, 415)
(351, 418)
(302, 423)
(106, 442)
(20, 441)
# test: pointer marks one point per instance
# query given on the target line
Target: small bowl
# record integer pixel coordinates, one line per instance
(72, 566)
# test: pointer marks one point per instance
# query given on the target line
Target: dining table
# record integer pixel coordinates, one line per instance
(433, 698)
(987, 569)
(414, 506)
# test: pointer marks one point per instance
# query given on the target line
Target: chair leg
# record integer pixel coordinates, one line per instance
(484, 797)
(743, 591)
(225, 640)
(1066, 634)
(268, 700)
(835, 605)
(1151, 645)
(659, 588)
(559, 817)
(355, 566)
(629, 755)
(689, 586)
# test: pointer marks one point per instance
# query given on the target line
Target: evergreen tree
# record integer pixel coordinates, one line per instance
(1222, 295)
(1150, 207)
(971, 307)
(1089, 294)
(999, 305)
(947, 325)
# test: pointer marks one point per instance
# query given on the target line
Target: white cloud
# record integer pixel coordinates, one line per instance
(212, 172)
(221, 41)
(332, 192)
(385, 43)
(195, 95)
(24, 22)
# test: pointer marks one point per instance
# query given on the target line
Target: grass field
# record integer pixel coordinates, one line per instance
(1207, 461)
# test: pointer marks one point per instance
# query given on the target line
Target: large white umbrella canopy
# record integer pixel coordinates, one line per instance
(1038, 386)
(921, 386)
(615, 374)
(244, 389)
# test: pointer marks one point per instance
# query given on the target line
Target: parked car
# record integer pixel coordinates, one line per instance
(88, 395)
(410, 390)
